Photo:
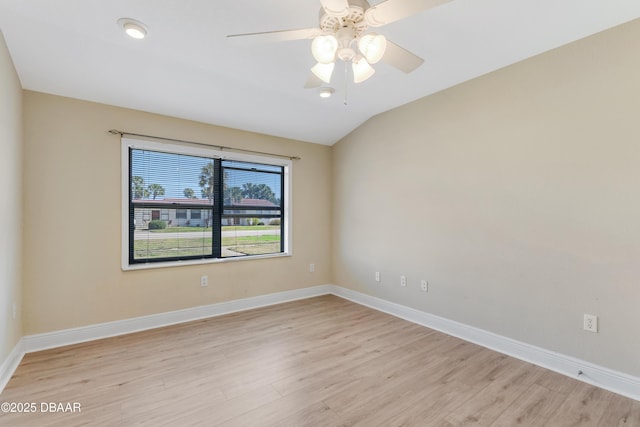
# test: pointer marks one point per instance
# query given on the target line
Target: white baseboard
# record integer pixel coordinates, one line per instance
(605, 378)
(120, 327)
(599, 376)
(10, 364)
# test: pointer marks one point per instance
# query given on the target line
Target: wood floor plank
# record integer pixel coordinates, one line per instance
(323, 361)
(620, 413)
(390, 395)
(230, 409)
(500, 393)
(288, 405)
(534, 407)
(587, 405)
(433, 412)
(317, 415)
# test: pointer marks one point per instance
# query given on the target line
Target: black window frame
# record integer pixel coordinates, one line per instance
(215, 211)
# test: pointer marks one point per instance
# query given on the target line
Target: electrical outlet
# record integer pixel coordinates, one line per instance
(312, 268)
(377, 276)
(590, 323)
(403, 280)
(424, 285)
(204, 281)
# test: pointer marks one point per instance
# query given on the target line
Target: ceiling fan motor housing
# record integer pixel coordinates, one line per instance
(330, 23)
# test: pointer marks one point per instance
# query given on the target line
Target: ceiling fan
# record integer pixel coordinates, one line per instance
(343, 34)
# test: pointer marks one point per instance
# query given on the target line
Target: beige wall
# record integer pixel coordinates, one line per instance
(72, 205)
(516, 195)
(11, 211)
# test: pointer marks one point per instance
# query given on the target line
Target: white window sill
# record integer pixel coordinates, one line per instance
(150, 265)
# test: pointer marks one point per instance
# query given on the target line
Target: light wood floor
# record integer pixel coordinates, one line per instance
(317, 362)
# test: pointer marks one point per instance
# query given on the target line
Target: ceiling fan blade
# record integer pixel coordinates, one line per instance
(401, 58)
(395, 10)
(313, 82)
(278, 36)
(337, 8)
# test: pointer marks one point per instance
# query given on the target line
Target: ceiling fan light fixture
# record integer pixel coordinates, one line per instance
(324, 48)
(346, 54)
(372, 46)
(133, 28)
(323, 71)
(326, 92)
(362, 70)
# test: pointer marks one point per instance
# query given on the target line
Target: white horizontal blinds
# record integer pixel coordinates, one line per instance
(252, 217)
(171, 206)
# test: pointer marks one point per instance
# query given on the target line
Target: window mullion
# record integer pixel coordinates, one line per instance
(218, 195)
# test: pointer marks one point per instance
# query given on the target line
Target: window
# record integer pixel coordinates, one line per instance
(188, 205)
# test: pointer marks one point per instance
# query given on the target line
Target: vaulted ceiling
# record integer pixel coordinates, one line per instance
(188, 68)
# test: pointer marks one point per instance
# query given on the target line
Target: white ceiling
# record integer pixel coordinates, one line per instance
(187, 68)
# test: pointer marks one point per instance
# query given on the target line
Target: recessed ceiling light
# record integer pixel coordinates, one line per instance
(133, 28)
(326, 92)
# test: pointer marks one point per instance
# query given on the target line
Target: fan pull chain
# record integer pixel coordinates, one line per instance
(346, 81)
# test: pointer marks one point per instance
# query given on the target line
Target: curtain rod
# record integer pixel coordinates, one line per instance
(220, 147)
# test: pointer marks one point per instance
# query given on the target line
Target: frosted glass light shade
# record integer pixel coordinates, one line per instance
(372, 46)
(362, 70)
(323, 71)
(324, 48)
